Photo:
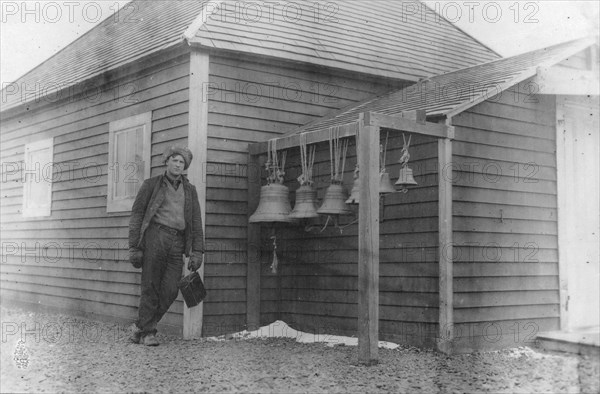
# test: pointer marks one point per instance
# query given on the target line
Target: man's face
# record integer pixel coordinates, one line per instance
(175, 165)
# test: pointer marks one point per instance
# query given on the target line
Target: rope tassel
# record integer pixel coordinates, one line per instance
(275, 263)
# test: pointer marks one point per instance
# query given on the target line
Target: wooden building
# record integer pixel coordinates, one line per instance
(81, 131)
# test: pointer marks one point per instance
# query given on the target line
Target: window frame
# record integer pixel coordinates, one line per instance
(114, 128)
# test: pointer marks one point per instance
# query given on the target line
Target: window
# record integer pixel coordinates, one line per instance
(128, 160)
(37, 181)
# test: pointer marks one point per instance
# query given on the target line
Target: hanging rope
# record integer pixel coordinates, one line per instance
(356, 166)
(345, 151)
(307, 161)
(383, 153)
(269, 162)
(275, 170)
(280, 170)
(331, 158)
(337, 154)
(357, 144)
(405, 156)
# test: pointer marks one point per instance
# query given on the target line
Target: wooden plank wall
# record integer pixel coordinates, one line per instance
(505, 221)
(76, 259)
(317, 280)
(253, 100)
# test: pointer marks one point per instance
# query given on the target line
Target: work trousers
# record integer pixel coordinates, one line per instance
(161, 270)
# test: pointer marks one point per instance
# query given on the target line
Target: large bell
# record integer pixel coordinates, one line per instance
(334, 201)
(385, 183)
(385, 186)
(306, 206)
(406, 177)
(274, 205)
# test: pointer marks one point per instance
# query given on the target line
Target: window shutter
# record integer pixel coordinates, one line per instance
(37, 182)
(128, 161)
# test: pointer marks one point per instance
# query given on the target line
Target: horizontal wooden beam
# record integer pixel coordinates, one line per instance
(412, 122)
(409, 125)
(312, 137)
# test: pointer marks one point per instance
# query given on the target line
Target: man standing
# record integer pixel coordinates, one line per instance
(165, 225)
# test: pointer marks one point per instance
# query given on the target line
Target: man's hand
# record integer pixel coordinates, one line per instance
(136, 257)
(195, 261)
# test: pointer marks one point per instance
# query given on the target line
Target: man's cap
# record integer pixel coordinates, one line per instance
(183, 151)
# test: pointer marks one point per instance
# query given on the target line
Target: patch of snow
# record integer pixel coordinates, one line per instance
(280, 329)
(525, 352)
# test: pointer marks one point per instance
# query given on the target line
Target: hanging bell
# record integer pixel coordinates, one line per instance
(274, 205)
(334, 201)
(385, 183)
(406, 177)
(305, 207)
(355, 192)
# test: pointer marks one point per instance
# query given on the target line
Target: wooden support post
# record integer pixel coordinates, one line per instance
(368, 245)
(253, 249)
(563, 140)
(197, 142)
(446, 317)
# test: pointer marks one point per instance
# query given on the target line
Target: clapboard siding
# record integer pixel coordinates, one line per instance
(250, 101)
(71, 117)
(478, 336)
(505, 219)
(76, 259)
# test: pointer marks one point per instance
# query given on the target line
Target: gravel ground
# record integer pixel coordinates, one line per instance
(76, 355)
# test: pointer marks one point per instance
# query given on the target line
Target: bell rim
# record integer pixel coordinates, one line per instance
(262, 216)
(343, 212)
(296, 217)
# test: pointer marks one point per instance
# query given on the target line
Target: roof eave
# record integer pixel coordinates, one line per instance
(201, 19)
(10, 110)
(529, 73)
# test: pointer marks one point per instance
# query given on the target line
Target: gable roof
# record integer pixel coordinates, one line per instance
(374, 37)
(451, 93)
(377, 37)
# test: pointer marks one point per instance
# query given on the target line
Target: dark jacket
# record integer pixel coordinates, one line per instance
(148, 200)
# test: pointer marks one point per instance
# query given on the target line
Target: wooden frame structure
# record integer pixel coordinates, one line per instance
(370, 124)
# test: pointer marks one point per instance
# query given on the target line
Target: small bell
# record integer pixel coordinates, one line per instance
(406, 178)
(355, 192)
(274, 205)
(385, 183)
(305, 207)
(334, 201)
